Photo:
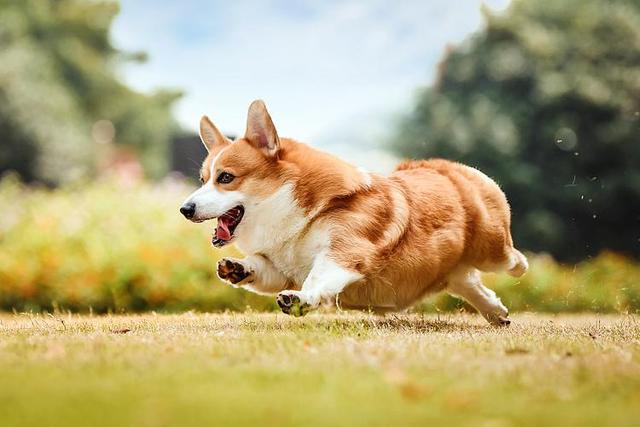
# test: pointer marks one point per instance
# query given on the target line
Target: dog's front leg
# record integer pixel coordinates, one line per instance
(255, 273)
(325, 280)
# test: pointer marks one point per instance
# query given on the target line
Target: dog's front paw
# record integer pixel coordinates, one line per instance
(234, 272)
(291, 303)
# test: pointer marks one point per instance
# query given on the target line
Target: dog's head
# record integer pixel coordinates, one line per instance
(236, 175)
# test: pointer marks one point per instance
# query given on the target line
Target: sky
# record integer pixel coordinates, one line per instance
(333, 73)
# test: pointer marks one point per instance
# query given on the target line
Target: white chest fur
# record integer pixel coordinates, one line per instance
(277, 228)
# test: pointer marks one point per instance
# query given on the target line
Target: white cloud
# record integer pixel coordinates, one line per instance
(316, 64)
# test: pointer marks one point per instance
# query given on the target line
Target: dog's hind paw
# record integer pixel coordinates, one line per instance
(503, 321)
(499, 321)
(290, 303)
(234, 272)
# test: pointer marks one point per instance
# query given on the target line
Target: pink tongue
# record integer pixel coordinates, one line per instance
(222, 232)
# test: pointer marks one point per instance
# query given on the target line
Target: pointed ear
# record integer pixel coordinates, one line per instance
(261, 132)
(210, 135)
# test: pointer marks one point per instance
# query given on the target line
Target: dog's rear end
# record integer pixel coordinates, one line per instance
(451, 222)
(488, 242)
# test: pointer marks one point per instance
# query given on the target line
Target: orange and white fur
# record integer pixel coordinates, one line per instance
(316, 228)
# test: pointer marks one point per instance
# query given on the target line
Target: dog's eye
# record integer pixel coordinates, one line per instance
(225, 178)
(201, 179)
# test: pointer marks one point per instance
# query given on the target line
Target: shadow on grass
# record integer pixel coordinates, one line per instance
(427, 324)
(356, 323)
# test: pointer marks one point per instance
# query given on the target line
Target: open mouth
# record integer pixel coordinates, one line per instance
(227, 223)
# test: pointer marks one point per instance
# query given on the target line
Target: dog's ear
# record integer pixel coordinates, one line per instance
(261, 132)
(210, 135)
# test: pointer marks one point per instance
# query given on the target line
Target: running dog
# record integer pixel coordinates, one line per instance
(316, 228)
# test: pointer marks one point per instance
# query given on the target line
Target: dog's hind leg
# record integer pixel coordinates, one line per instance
(511, 261)
(467, 284)
(254, 273)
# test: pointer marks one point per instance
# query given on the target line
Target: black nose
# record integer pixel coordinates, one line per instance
(188, 210)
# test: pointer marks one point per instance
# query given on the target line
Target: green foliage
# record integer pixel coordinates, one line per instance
(546, 99)
(106, 248)
(57, 78)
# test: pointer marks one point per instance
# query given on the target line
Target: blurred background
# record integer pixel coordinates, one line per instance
(99, 103)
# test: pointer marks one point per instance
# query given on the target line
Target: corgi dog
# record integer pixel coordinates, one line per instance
(315, 228)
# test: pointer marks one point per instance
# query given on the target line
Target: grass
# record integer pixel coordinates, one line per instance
(323, 369)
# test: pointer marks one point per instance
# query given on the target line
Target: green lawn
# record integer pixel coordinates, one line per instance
(323, 369)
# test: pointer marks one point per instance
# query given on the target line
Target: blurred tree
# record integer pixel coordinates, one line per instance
(546, 99)
(57, 79)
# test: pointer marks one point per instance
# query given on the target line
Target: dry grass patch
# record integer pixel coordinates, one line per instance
(338, 369)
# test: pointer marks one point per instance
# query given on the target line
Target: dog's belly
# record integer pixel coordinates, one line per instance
(380, 294)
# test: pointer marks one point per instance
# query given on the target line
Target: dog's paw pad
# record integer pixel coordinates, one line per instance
(503, 321)
(291, 304)
(232, 271)
(499, 321)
